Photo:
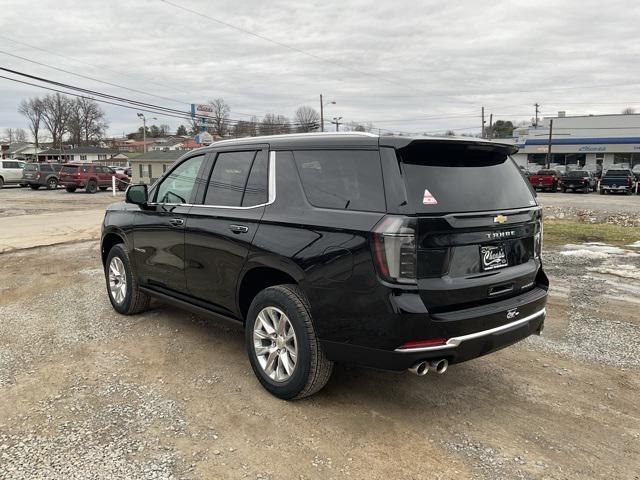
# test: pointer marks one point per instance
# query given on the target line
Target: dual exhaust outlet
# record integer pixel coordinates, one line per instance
(424, 367)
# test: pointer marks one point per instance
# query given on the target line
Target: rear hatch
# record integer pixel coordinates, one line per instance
(69, 172)
(477, 223)
(30, 171)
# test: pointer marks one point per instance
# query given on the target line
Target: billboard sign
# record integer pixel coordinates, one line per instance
(201, 112)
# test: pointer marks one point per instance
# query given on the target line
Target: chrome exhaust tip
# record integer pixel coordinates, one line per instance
(420, 369)
(439, 366)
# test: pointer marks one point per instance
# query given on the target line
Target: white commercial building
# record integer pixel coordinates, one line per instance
(593, 142)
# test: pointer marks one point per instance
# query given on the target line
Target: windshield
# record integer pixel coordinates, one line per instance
(462, 178)
(617, 173)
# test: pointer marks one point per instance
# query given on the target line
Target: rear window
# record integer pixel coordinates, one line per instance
(31, 167)
(616, 173)
(577, 174)
(342, 179)
(546, 172)
(70, 169)
(462, 178)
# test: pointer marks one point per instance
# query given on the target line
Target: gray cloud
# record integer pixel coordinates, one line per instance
(424, 60)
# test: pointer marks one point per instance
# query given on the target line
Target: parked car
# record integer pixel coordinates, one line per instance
(575, 180)
(545, 180)
(617, 180)
(90, 177)
(37, 175)
(386, 252)
(11, 172)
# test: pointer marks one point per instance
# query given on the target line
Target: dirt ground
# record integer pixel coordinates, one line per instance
(86, 393)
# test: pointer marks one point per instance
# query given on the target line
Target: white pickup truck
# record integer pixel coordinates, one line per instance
(11, 172)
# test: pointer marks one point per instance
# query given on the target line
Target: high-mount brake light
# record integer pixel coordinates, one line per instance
(393, 242)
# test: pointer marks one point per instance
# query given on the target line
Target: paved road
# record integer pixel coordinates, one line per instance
(27, 231)
(593, 201)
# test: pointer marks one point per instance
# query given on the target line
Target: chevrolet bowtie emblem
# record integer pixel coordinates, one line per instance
(499, 219)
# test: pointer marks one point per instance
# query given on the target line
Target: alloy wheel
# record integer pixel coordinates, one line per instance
(117, 280)
(275, 344)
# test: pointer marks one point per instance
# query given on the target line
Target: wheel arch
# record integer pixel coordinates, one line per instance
(257, 279)
(109, 240)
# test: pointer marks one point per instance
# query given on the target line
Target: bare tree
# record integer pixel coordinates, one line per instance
(274, 125)
(8, 136)
(55, 116)
(86, 123)
(629, 111)
(163, 130)
(219, 118)
(32, 109)
(307, 119)
(19, 135)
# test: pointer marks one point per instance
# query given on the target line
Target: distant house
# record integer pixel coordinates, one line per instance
(99, 155)
(148, 167)
(133, 145)
(165, 144)
(20, 151)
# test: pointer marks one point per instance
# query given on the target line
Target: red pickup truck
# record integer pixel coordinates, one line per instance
(545, 180)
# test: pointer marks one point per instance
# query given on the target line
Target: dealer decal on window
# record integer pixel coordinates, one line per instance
(428, 199)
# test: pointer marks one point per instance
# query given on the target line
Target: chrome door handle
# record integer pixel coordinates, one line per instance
(238, 228)
(177, 222)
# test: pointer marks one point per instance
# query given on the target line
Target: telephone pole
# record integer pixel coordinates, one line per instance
(548, 160)
(491, 126)
(482, 134)
(537, 105)
(336, 122)
(321, 114)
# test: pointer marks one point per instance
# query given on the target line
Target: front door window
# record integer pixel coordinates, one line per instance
(178, 186)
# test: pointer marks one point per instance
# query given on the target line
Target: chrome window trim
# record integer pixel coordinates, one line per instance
(271, 191)
(456, 341)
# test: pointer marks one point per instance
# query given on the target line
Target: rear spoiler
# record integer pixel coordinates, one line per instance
(472, 144)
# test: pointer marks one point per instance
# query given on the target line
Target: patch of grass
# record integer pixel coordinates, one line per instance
(559, 232)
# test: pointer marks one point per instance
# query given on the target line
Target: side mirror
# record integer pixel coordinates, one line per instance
(137, 194)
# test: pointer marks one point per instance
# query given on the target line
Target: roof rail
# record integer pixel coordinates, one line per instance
(289, 135)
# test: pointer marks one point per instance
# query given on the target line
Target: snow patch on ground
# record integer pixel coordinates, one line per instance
(595, 250)
(622, 271)
(634, 244)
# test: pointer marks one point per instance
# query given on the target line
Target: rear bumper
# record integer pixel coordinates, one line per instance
(520, 319)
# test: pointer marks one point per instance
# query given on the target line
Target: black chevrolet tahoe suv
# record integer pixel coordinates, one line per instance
(388, 252)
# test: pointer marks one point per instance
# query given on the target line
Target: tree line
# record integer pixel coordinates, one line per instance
(80, 120)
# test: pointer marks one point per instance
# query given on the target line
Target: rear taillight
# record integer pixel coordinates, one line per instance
(393, 242)
(433, 342)
(538, 239)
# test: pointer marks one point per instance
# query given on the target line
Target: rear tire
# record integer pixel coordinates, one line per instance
(92, 187)
(126, 299)
(70, 189)
(52, 184)
(311, 370)
(1, 182)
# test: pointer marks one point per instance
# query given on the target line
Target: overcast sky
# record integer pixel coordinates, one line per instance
(406, 65)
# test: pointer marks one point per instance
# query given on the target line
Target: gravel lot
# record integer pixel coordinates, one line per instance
(86, 393)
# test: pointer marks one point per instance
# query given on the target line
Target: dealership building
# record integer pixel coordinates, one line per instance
(592, 142)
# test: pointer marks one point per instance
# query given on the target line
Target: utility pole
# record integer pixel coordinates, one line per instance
(537, 105)
(336, 121)
(548, 161)
(491, 126)
(482, 134)
(321, 114)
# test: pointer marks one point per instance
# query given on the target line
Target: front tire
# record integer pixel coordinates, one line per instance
(122, 284)
(92, 187)
(282, 345)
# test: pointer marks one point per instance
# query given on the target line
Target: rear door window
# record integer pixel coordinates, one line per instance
(256, 191)
(462, 178)
(228, 178)
(46, 168)
(71, 169)
(342, 179)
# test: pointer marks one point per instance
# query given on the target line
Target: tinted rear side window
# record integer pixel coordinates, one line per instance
(228, 178)
(462, 178)
(342, 179)
(31, 167)
(256, 191)
(46, 168)
(70, 169)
